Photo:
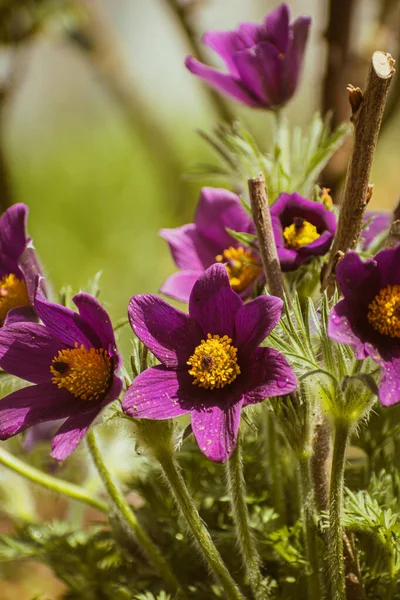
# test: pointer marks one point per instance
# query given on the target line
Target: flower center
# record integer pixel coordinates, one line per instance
(84, 373)
(241, 266)
(13, 293)
(384, 311)
(300, 233)
(214, 362)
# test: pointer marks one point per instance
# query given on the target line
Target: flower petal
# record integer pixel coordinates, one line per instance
(27, 351)
(340, 329)
(221, 82)
(293, 61)
(389, 387)
(12, 237)
(70, 434)
(225, 44)
(215, 429)
(276, 25)
(287, 259)
(35, 404)
(30, 268)
(159, 393)
(268, 375)
(42, 432)
(255, 321)
(179, 285)
(169, 333)
(318, 247)
(189, 248)
(213, 303)
(93, 313)
(21, 314)
(380, 222)
(259, 68)
(359, 280)
(388, 264)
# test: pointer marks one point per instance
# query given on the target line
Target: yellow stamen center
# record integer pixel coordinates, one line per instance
(13, 293)
(214, 362)
(300, 233)
(84, 373)
(384, 311)
(241, 266)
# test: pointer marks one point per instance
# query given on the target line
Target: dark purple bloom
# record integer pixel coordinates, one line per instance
(198, 245)
(368, 317)
(302, 229)
(379, 222)
(211, 362)
(264, 62)
(72, 359)
(18, 267)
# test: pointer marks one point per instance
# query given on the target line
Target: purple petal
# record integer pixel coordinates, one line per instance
(359, 280)
(42, 432)
(225, 44)
(30, 268)
(259, 69)
(289, 206)
(12, 237)
(35, 404)
(70, 434)
(255, 321)
(380, 222)
(93, 313)
(269, 374)
(21, 314)
(277, 27)
(221, 82)
(287, 258)
(215, 429)
(218, 209)
(169, 333)
(27, 351)
(340, 329)
(65, 324)
(293, 61)
(213, 303)
(318, 247)
(389, 387)
(159, 393)
(388, 262)
(179, 285)
(189, 248)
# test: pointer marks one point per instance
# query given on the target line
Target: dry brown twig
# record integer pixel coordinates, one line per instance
(367, 115)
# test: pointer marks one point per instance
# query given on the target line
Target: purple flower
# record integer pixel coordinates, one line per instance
(18, 267)
(72, 359)
(302, 228)
(380, 222)
(197, 246)
(263, 61)
(368, 317)
(211, 362)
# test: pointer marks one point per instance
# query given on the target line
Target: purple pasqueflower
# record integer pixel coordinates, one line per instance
(73, 361)
(302, 229)
(18, 267)
(379, 222)
(196, 246)
(368, 317)
(264, 62)
(211, 362)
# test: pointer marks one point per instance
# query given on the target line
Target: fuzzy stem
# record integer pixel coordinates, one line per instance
(51, 483)
(338, 586)
(128, 517)
(189, 512)
(265, 235)
(310, 529)
(237, 493)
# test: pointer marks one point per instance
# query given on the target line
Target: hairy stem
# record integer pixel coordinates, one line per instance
(237, 493)
(196, 526)
(128, 517)
(338, 586)
(51, 483)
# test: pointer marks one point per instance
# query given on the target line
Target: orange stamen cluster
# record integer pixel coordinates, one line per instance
(384, 311)
(300, 234)
(241, 266)
(214, 362)
(13, 293)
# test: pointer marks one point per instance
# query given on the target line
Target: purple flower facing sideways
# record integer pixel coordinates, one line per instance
(302, 229)
(196, 246)
(379, 222)
(368, 317)
(18, 267)
(72, 359)
(264, 62)
(211, 362)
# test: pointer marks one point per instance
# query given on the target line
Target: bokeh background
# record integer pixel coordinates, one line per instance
(98, 120)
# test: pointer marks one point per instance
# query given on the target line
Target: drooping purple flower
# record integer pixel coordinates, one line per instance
(73, 361)
(379, 222)
(368, 317)
(264, 62)
(18, 267)
(196, 246)
(212, 364)
(302, 229)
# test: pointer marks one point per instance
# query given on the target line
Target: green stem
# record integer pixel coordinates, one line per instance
(237, 492)
(51, 483)
(189, 512)
(274, 468)
(128, 517)
(338, 586)
(310, 529)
